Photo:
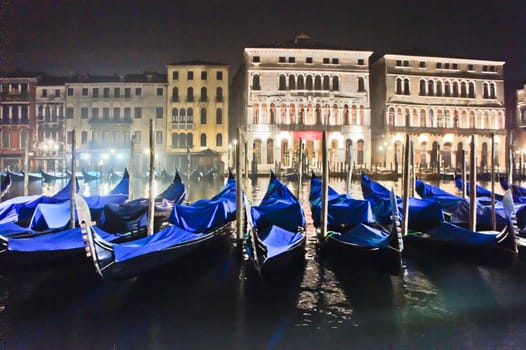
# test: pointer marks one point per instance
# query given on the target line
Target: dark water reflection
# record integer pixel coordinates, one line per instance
(215, 301)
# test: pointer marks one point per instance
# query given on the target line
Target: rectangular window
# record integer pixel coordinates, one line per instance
(84, 137)
(492, 69)
(159, 111)
(57, 92)
(106, 113)
(335, 61)
(127, 92)
(117, 92)
(256, 59)
(308, 60)
(219, 75)
(398, 63)
(95, 92)
(159, 137)
(406, 63)
(281, 59)
(106, 92)
(138, 112)
(138, 92)
(84, 91)
(116, 113)
(175, 75)
(422, 64)
(159, 91)
(69, 137)
(361, 62)
(70, 91)
(292, 59)
(439, 65)
(446, 65)
(44, 92)
(127, 113)
(137, 137)
(189, 75)
(484, 68)
(471, 67)
(70, 111)
(455, 66)
(326, 61)
(204, 75)
(84, 112)
(95, 113)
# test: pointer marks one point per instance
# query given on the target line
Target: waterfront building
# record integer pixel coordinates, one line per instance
(197, 115)
(49, 145)
(107, 111)
(294, 90)
(17, 115)
(440, 102)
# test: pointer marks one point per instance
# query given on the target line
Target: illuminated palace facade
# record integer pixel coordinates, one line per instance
(440, 102)
(294, 91)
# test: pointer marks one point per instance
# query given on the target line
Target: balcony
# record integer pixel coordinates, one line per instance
(190, 99)
(183, 126)
(96, 120)
(444, 130)
(219, 98)
(175, 98)
(203, 99)
(15, 121)
(311, 127)
(12, 97)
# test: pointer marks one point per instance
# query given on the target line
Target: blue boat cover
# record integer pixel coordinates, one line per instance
(50, 216)
(342, 208)
(453, 233)
(460, 215)
(63, 240)
(364, 236)
(168, 237)
(278, 240)
(423, 213)
(123, 187)
(11, 228)
(448, 201)
(481, 191)
(206, 214)
(278, 207)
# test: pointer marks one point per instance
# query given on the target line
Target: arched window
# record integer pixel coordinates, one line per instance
(219, 94)
(407, 91)
(204, 95)
(499, 123)
(471, 87)
(255, 114)
(335, 83)
(360, 156)
(361, 116)
(455, 89)
(440, 118)
(317, 83)
(190, 94)
(24, 134)
(353, 115)
(282, 82)
(189, 115)
(255, 83)
(309, 82)
(361, 84)
(485, 90)
(492, 93)
(439, 88)
(203, 115)
(175, 140)
(182, 115)
(175, 115)
(391, 116)
(272, 114)
(219, 116)
(422, 87)
(301, 82)
(219, 140)
(189, 140)
(292, 82)
(346, 119)
(415, 120)
(430, 88)
(399, 86)
(463, 89)
(472, 120)
(326, 83)
(175, 94)
(463, 119)
(447, 89)
(203, 140)
(399, 117)
(270, 151)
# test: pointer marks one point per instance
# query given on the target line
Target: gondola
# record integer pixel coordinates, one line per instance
(195, 228)
(20, 176)
(50, 177)
(455, 242)
(90, 175)
(353, 238)
(423, 214)
(5, 184)
(518, 192)
(481, 191)
(276, 230)
(28, 248)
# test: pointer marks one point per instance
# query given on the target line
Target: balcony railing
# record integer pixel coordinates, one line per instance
(14, 121)
(96, 120)
(444, 130)
(184, 126)
(219, 98)
(9, 97)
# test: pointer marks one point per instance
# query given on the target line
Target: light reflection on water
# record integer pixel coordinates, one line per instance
(221, 305)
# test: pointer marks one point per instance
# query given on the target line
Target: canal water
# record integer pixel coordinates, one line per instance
(217, 302)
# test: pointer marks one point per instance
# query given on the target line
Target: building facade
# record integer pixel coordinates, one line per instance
(106, 112)
(295, 90)
(440, 102)
(197, 115)
(17, 116)
(49, 148)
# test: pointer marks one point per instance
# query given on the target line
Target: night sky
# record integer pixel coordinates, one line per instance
(129, 36)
